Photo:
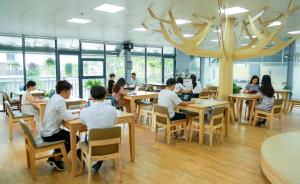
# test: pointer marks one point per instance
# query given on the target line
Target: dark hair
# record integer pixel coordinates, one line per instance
(112, 75)
(62, 85)
(194, 79)
(254, 77)
(121, 82)
(180, 80)
(266, 86)
(171, 82)
(133, 74)
(98, 92)
(29, 84)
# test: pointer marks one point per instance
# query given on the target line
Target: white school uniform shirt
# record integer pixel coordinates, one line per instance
(27, 107)
(56, 111)
(135, 82)
(169, 99)
(179, 87)
(99, 115)
(198, 88)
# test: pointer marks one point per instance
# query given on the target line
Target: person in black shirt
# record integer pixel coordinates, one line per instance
(111, 82)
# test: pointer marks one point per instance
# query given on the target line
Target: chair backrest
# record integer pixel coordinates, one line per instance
(217, 116)
(6, 97)
(204, 94)
(104, 141)
(277, 106)
(150, 88)
(161, 114)
(213, 88)
(28, 133)
(9, 109)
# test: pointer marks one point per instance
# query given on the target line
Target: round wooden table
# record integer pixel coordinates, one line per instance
(280, 158)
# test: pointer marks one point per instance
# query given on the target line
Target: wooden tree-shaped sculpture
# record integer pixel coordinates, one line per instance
(259, 40)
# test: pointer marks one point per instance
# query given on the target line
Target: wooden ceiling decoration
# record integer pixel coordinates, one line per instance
(262, 41)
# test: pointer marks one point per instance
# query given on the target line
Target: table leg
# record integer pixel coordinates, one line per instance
(73, 151)
(201, 126)
(252, 111)
(233, 107)
(132, 106)
(286, 95)
(132, 139)
(227, 117)
(42, 112)
(240, 109)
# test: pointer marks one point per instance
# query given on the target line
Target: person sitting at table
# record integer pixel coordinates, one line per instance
(28, 100)
(253, 85)
(196, 86)
(134, 80)
(111, 82)
(251, 88)
(168, 98)
(118, 93)
(179, 87)
(99, 115)
(55, 112)
(266, 92)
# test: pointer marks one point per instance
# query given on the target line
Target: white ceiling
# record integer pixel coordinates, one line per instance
(49, 17)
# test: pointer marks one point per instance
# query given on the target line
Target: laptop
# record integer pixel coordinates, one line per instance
(186, 96)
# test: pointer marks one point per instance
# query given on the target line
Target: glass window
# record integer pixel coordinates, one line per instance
(115, 64)
(67, 44)
(93, 68)
(168, 68)
(211, 72)
(40, 62)
(92, 50)
(194, 66)
(296, 72)
(154, 69)
(11, 64)
(138, 62)
(169, 50)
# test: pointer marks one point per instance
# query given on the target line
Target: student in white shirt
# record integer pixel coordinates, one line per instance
(179, 87)
(134, 80)
(55, 112)
(28, 100)
(168, 98)
(196, 86)
(99, 115)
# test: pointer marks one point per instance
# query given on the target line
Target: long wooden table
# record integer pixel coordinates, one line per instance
(239, 99)
(139, 95)
(285, 95)
(76, 126)
(41, 106)
(200, 106)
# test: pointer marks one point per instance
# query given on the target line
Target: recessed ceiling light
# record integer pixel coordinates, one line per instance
(140, 29)
(294, 32)
(233, 10)
(214, 40)
(248, 36)
(182, 21)
(188, 35)
(276, 23)
(109, 8)
(79, 21)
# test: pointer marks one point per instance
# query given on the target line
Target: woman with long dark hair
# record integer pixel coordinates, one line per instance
(180, 87)
(196, 86)
(28, 100)
(266, 92)
(253, 85)
(118, 92)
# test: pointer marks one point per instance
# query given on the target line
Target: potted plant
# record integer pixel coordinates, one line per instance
(89, 84)
(236, 89)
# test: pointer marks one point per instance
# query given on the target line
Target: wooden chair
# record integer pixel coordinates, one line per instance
(276, 111)
(214, 124)
(291, 104)
(103, 144)
(231, 109)
(213, 90)
(15, 117)
(71, 105)
(35, 145)
(163, 119)
(204, 95)
(14, 103)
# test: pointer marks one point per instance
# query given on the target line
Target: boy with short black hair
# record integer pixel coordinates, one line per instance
(55, 112)
(98, 115)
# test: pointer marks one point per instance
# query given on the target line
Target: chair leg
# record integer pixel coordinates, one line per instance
(139, 117)
(10, 126)
(28, 158)
(191, 131)
(185, 132)
(254, 119)
(82, 164)
(292, 106)
(32, 164)
(156, 130)
(168, 135)
(271, 118)
(211, 133)
(280, 121)
(64, 153)
(232, 116)
(89, 170)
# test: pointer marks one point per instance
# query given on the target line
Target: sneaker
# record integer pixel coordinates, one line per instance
(56, 164)
(97, 165)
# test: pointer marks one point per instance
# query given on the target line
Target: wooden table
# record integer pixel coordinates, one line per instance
(42, 105)
(285, 95)
(239, 98)
(138, 96)
(76, 126)
(280, 158)
(200, 107)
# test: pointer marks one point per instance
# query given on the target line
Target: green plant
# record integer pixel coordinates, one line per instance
(236, 89)
(68, 69)
(50, 62)
(92, 83)
(47, 94)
